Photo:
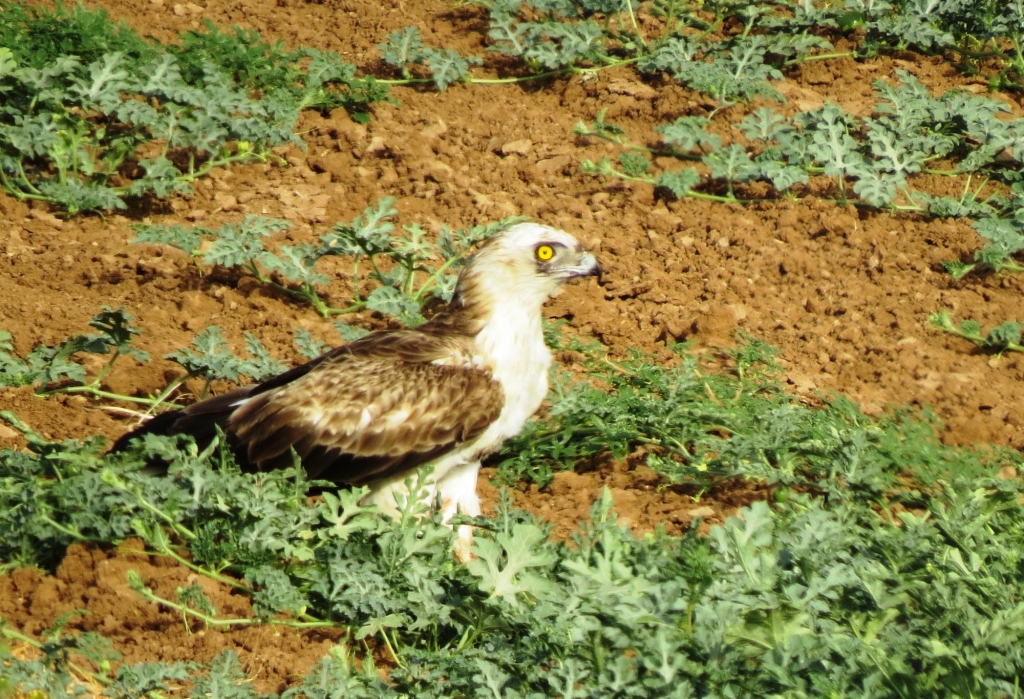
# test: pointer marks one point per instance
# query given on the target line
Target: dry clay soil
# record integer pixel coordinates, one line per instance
(844, 293)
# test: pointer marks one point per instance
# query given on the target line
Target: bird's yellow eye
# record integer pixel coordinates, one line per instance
(545, 253)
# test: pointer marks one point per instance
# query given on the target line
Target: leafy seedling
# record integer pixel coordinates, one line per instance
(91, 114)
(50, 369)
(871, 162)
(211, 359)
(52, 365)
(1002, 338)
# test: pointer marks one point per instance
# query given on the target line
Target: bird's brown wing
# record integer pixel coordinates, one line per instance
(355, 418)
(386, 403)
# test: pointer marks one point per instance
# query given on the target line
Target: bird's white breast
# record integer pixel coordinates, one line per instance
(512, 346)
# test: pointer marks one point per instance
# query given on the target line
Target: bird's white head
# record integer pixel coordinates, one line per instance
(525, 264)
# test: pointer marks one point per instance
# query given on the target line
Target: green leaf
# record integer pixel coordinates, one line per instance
(350, 333)
(174, 235)
(242, 243)
(634, 164)
(391, 301)
(731, 163)
(1008, 333)
(761, 124)
(503, 563)
(688, 133)
(75, 195)
(262, 366)
(878, 189)
(116, 331)
(296, 264)
(309, 347)
(679, 182)
(447, 65)
(213, 359)
(402, 47)
(369, 234)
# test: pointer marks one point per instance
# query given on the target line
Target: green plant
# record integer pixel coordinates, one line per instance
(50, 369)
(311, 78)
(1002, 338)
(872, 162)
(727, 50)
(586, 36)
(699, 428)
(405, 47)
(408, 269)
(891, 569)
(91, 114)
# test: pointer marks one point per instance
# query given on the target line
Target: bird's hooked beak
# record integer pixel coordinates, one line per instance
(586, 266)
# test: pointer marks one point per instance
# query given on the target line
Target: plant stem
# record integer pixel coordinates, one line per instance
(636, 27)
(213, 575)
(571, 70)
(696, 195)
(73, 533)
(431, 281)
(92, 389)
(820, 57)
(151, 596)
(394, 654)
(18, 636)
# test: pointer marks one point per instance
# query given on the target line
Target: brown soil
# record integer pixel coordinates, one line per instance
(844, 293)
(96, 581)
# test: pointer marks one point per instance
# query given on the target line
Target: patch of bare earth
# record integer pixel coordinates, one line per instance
(96, 580)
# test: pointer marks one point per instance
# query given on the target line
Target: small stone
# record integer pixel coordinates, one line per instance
(47, 218)
(872, 409)
(520, 147)
(438, 171)
(227, 202)
(376, 145)
(557, 164)
(180, 9)
(631, 88)
(803, 384)
(434, 130)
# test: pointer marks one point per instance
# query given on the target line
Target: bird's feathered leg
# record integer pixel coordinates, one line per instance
(457, 488)
(458, 495)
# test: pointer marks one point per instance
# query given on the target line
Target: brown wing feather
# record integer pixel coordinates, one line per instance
(317, 408)
(358, 418)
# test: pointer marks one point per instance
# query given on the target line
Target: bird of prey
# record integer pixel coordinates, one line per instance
(445, 394)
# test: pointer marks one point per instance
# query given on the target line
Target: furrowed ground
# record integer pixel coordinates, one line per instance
(888, 560)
